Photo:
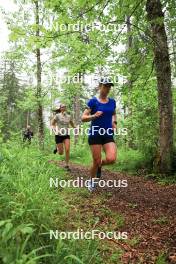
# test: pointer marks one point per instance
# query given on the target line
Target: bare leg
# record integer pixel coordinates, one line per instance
(110, 152)
(60, 148)
(96, 155)
(67, 150)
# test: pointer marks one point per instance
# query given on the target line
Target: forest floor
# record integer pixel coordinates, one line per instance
(148, 209)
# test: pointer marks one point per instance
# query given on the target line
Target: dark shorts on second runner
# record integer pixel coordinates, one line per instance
(60, 139)
(100, 139)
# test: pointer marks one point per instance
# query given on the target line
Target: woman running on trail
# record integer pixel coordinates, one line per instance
(101, 112)
(60, 125)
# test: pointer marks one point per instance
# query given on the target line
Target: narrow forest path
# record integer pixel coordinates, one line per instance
(149, 210)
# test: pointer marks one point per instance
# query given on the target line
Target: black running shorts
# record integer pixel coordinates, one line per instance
(60, 139)
(100, 139)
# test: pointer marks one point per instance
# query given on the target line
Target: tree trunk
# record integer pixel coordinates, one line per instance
(39, 81)
(28, 118)
(76, 114)
(163, 73)
(173, 49)
(77, 110)
(172, 33)
(129, 45)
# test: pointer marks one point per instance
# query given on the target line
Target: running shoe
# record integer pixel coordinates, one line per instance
(55, 151)
(91, 185)
(99, 172)
(67, 168)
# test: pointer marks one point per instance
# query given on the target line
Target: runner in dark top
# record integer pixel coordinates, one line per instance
(28, 134)
(101, 112)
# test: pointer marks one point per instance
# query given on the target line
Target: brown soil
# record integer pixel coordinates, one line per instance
(149, 210)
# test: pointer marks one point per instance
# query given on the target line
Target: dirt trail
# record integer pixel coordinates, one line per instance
(149, 210)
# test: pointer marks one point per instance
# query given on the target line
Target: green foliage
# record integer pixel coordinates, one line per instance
(29, 209)
(126, 52)
(10, 92)
(161, 259)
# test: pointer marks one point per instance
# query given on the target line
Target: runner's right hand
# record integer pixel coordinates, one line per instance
(98, 114)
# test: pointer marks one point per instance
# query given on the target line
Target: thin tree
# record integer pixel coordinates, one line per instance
(39, 77)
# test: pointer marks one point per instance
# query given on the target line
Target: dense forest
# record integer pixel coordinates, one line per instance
(57, 53)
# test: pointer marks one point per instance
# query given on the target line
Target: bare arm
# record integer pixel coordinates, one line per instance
(114, 117)
(86, 116)
(72, 124)
(114, 120)
(53, 122)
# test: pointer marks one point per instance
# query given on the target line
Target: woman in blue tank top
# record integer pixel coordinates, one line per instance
(101, 111)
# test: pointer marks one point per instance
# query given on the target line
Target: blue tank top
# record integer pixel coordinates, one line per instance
(103, 122)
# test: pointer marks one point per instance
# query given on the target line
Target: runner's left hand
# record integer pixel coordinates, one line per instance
(114, 126)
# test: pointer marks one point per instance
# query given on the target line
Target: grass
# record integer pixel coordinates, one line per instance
(162, 179)
(127, 159)
(30, 208)
(134, 241)
(161, 220)
(161, 259)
